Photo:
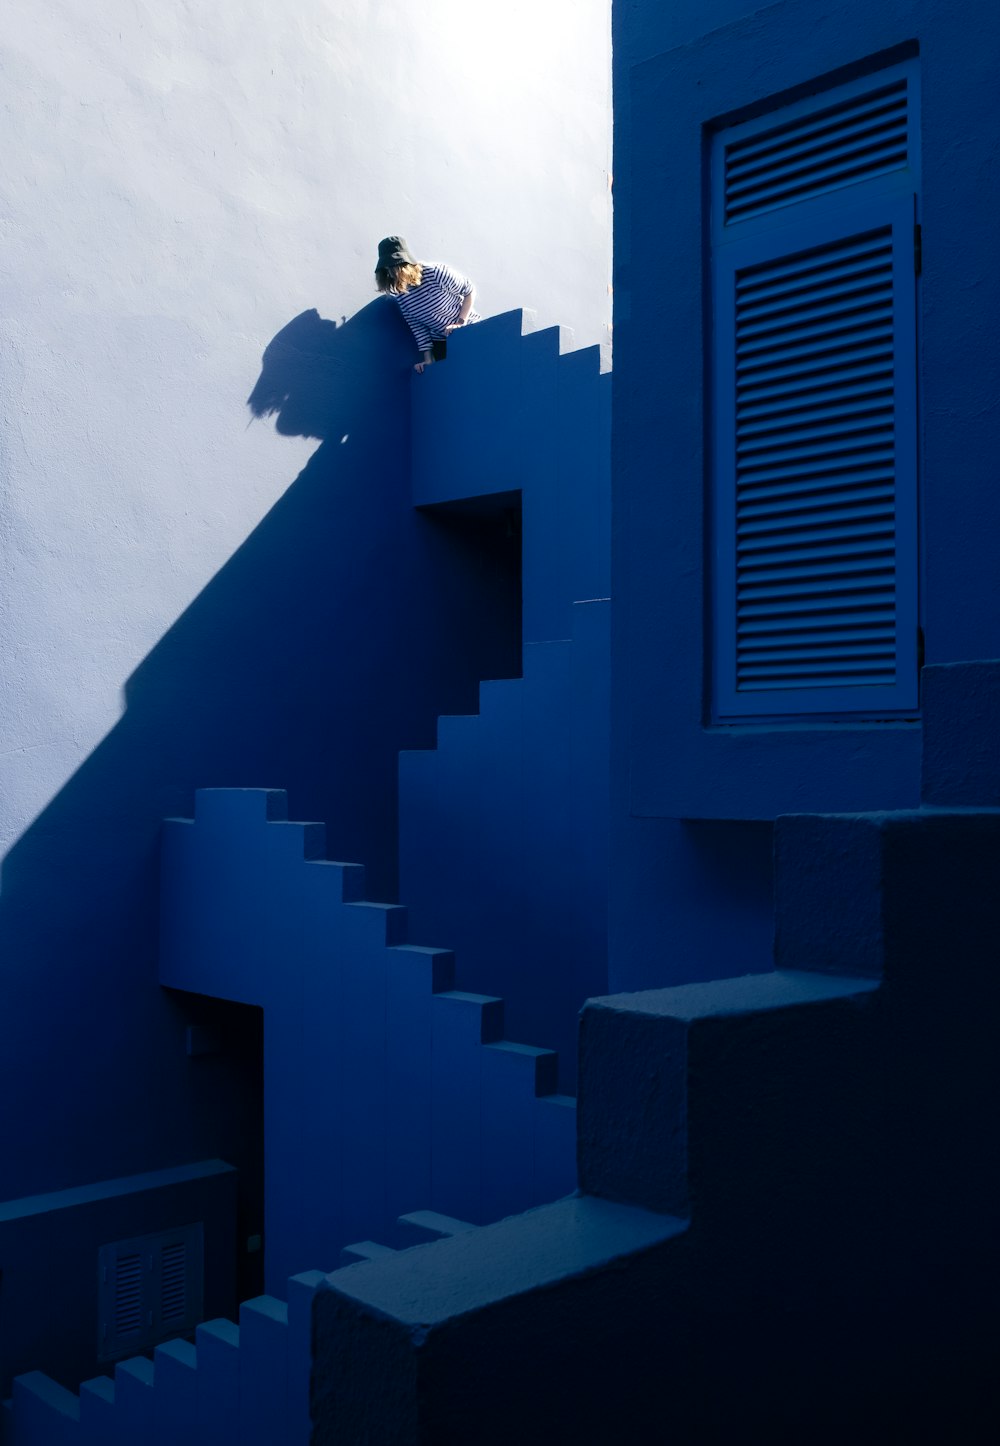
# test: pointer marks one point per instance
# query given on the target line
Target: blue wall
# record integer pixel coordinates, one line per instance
(49, 1246)
(504, 826)
(333, 638)
(675, 74)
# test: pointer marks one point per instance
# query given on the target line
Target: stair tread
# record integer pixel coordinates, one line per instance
(433, 1220)
(138, 1368)
(532, 1051)
(47, 1391)
(467, 1272)
(467, 998)
(744, 994)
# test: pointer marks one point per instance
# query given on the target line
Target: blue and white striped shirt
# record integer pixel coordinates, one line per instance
(435, 303)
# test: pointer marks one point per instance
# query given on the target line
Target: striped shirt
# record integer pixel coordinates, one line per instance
(435, 304)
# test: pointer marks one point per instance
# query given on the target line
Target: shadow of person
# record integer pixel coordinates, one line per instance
(315, 373)
(331, 639)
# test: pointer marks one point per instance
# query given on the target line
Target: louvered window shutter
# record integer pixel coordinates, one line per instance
(814, 407)
(149, 1289)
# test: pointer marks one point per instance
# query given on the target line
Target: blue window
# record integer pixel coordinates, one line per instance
(814, 447)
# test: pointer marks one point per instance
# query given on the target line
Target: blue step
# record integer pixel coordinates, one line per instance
(218, 1346)
(43, 1413)
(175, 1392)
(263, 1371)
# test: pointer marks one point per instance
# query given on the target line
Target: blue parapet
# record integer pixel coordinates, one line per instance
(98, 1422)
(245, 1385)
(263, 1371)
(50, 1246)
(135, 1416)
(175, 1393)
(300, 1292)
(43, 1413)
(512, 412)
(218, 1346)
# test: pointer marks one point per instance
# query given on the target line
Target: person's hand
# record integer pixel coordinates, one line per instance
(454, 326)
(426, 361)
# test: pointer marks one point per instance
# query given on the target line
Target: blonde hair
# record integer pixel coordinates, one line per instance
(399, 279)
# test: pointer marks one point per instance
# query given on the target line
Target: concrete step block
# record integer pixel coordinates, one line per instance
(263, 1371)
(385, 924)
(420, 1227)
(175, 1393)
(135, 1416)
(513, 1076)
(413, 1337)
(301, 1291)
(346, 881)
(727, 1086)
(461, 1024)
(414, 977)
(43, 1413)
(889, 895)
(363, 1250)
(98, 1421)
(239, 807)
(960, 708)
(555, 1146)
(218, 1345)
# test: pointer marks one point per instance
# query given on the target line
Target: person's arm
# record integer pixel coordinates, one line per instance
(423, 339)
(466, 311)
(461, 286)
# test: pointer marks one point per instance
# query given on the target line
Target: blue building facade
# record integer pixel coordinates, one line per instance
(643, 1089)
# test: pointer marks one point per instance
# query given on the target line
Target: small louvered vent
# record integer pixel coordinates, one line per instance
(173, 1283)
(825, 150)
(149, 1288)
(815, 481)
(128, 1294)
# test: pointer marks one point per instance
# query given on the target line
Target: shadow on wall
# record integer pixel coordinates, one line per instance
(331, 640)
(311, 372)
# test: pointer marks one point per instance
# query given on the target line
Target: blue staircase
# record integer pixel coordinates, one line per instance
(800, 1157)
(503, 836)
(244, 1384)
(386, 1089)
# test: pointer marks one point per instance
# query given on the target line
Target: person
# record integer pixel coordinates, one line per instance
(433, 298)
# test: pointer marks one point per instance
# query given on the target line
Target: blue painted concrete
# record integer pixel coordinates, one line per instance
(801, 1138)
(134, 1402)
(98, 1422)
(263, 1371)
(49, 1248)
(334, 637)
(548, 420)
(43, 1414)
(503, 828)
(175, 1393)
(218, 1346)
(960, 761)
(678, 70)
(503, 837)
(786, 1229)
(384, 1091)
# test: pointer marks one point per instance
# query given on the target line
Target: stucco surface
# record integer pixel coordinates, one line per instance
(190, 598)
(177, 183)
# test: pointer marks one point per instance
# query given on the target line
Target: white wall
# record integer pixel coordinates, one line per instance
(177, 181)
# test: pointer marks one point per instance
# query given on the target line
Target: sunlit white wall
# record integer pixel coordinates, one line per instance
(180, 178)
